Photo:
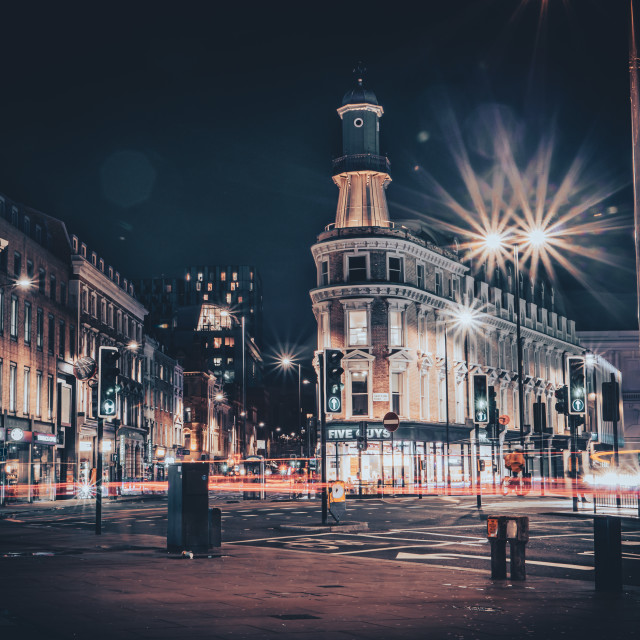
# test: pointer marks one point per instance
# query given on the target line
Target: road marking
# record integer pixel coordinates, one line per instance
(405, 546)
(327, 533)
(559, 535)
(453, 556)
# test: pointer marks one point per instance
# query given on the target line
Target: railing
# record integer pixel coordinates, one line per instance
(622, 499)
(361, 162)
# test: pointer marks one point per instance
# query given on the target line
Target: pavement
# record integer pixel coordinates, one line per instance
(64, 584)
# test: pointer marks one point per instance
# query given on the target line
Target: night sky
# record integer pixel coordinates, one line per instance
(192, 133)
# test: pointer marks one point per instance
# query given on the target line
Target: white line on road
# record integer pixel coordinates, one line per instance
(452, 556)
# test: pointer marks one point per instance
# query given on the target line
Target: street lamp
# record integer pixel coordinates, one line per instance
(287, 363)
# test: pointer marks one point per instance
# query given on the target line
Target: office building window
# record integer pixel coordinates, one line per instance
(52, 335)
(396, 269)
(50, 389)
(26, 390)
(13, 382)
(356, 268)
(13, 326)
(27, 323)
(359, 393)
(38, 394)
(39, 329)
(358, 328)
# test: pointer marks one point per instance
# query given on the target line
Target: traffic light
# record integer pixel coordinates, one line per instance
(480, 403)
(363, 443)
(539, 417)
(561, 395)
(333, 380)
(493, 412)
(577, 392)
(108, 382)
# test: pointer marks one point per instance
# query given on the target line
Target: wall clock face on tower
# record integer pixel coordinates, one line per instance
(16, 434)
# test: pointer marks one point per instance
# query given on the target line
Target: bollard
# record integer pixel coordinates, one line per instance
(607, 553)
(215, 527)
(518, 536)
(496, 532)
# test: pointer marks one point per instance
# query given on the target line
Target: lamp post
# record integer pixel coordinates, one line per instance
(287, 363)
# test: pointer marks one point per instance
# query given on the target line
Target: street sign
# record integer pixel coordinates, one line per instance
(391, 422)
(492, 527)
(577, 406)
(504, 420)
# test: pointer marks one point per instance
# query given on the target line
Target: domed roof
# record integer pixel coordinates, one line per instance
(359, 95)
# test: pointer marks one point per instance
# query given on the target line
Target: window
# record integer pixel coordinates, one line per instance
(223, 276)
(438, 283)
(396, 270)
(38, 233)
(12, 386)
(358, 333)
(30, 269)
(38, 394)
(27, 323)
(13, 326)
(455, 288)
(26, 389)
(397, 381)
(63, 293)
(39, 328)
(234, 276)
(357, 268)
(424, 396)
(17, 264)
(324, 273)
(41, 280)
(50, 388)
(359, 393)
(62, 343)
(52, 287)
(396, 333)
(420, 272)
(27, 226)
(325, 330)
(52, 335)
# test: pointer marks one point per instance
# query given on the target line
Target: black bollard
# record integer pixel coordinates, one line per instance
(518, 536)
(215, 527)
(607, 553)
(497, 534)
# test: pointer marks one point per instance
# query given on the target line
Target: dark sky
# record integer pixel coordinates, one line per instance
(167, 135)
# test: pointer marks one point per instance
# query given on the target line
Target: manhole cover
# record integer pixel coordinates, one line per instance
(295, 616)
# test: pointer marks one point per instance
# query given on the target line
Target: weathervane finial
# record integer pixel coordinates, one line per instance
(359, 72)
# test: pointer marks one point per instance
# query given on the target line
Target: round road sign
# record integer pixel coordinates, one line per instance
(391, 421)
(84, 368)
(504, 420)
(578, 405)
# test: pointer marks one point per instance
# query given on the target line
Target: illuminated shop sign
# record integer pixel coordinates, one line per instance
(45, 438)
(19, 435)
(351, 433)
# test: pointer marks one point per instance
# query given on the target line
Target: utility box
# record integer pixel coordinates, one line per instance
(188, 516)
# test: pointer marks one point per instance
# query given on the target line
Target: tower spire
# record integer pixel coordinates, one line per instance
(361, 173)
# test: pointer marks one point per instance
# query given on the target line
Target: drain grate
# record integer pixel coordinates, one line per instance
(295, 616)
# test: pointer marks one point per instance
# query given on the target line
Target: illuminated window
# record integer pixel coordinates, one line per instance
(217, 343)
(240, 299)
(200, 277)
(209, 286)
(234, 276)
(424, 396)
(229, 342)
(217, 362)
(359, 393)
(205, 296)
(187, 277)
(228, 298)
(358, 329)
(26, 389)
(397, 383)
(223, 276)
(233, 286)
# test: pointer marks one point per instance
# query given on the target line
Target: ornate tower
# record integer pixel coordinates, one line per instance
(361, 173)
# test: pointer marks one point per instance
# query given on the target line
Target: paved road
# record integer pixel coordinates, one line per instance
(441, 531)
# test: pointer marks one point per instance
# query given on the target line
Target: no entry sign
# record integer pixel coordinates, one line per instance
(391, 421)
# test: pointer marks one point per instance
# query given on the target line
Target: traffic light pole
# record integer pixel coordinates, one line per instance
(323, 442)
(478, 472)
(99, 478)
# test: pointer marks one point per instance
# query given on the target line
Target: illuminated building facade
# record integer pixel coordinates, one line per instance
(387, 296)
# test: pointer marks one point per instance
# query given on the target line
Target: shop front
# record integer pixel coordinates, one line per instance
(411, 460)
(29, 469)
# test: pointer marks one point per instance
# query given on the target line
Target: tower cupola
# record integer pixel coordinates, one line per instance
(361, 173)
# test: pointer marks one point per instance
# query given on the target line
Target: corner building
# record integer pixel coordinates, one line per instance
(385, 296)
